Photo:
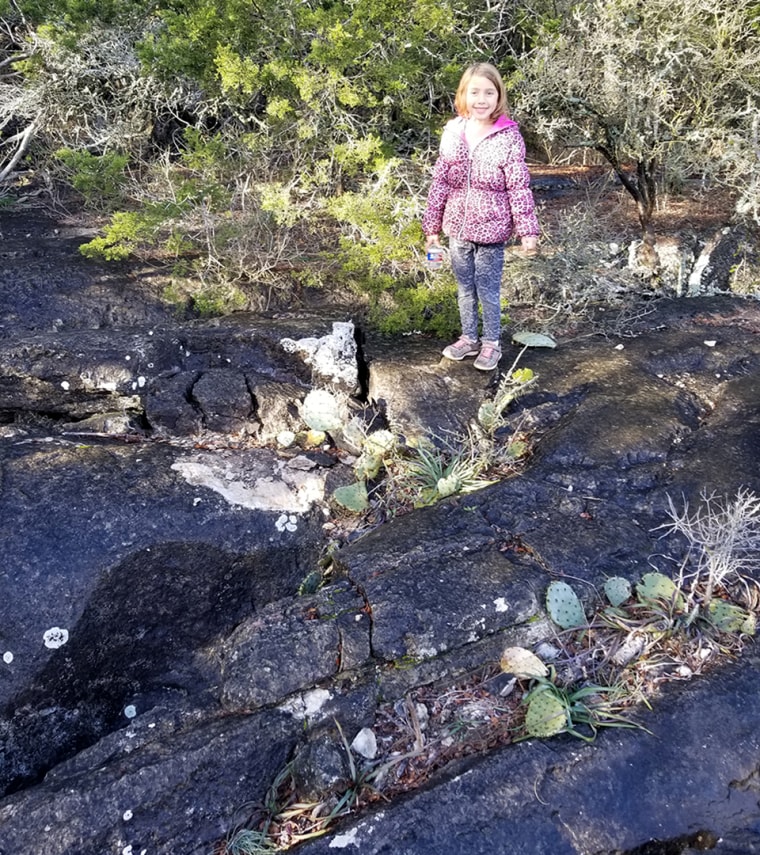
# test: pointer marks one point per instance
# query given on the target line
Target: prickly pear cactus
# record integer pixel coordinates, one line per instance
(728, 617)
(563, 605)
(522, 663)
(658, 586)
(617, 590)
(352, 497)
(546, 716)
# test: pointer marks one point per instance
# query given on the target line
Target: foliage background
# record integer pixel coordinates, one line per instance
(265, 147)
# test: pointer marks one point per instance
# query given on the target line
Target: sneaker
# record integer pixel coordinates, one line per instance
(461, 348)
(489, 357)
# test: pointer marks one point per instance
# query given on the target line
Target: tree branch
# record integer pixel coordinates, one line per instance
(24, 138)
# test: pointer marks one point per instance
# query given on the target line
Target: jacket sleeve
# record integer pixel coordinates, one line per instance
(521, 202)
(438, 194)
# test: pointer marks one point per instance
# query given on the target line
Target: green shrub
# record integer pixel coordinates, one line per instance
(130, 230)
(99, 178)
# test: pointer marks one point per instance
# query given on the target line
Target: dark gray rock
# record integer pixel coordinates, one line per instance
(168, 782)
(158, 670)
(320, 765)
(139, 557)
(290, 646)
(431, 593)
(696, 770)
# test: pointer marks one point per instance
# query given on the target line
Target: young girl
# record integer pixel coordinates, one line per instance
(480, 197)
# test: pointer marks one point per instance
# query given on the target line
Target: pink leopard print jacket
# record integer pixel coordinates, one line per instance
(483, 196)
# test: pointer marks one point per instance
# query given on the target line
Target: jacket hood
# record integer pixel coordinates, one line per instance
(504, 122)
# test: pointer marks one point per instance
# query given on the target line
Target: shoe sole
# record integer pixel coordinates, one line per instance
(463, 356)
(482, 367)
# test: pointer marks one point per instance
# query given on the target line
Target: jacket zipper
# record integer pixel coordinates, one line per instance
(470, 158)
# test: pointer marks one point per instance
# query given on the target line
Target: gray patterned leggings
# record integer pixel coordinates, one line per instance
(478, 268)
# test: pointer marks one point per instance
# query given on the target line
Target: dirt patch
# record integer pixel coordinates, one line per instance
(699, 208)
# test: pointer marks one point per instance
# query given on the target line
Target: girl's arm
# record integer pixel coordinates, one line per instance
(517, 179)
(436, 200)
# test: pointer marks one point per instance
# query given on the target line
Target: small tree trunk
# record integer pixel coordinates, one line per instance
(641, 184)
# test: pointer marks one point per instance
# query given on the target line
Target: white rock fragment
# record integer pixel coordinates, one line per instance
(285, 438)
(127, 815)
(711, 343)
(547, 651)
(65, 385)
(332, 356)
(130, 711)
(619, 347)
(7, 657)
(55, 637)
(365, 743)
(501, 604)
(306, 705)
(285, 490)
(341, 841)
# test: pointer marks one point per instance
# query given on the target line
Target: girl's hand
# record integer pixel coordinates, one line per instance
(431, 240)
(529, 244)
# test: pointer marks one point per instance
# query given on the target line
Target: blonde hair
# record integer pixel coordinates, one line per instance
(482, 69)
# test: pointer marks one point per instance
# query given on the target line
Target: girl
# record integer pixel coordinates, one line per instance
(480, 196)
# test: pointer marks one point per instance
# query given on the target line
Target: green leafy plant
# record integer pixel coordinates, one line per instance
(100, 179)
(430, 472)
(514, 383)
(246, 841)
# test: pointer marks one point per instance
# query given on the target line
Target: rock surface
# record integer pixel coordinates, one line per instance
(159, 669)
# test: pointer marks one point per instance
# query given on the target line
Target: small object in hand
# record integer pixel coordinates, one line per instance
(434, 258)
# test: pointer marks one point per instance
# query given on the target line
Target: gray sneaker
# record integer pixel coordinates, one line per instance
(489, 357)
(461, 348)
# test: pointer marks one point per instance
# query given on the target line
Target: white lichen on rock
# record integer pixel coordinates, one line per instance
(55, 637)
(287, 522)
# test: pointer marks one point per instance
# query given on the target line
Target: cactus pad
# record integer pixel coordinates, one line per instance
(728, 617)
(617, 590)
(352, 497)
(563, 605)
(658, 586)
(522, 663)
(546, 716)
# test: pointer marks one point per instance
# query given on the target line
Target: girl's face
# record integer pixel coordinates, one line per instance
(482, 98)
